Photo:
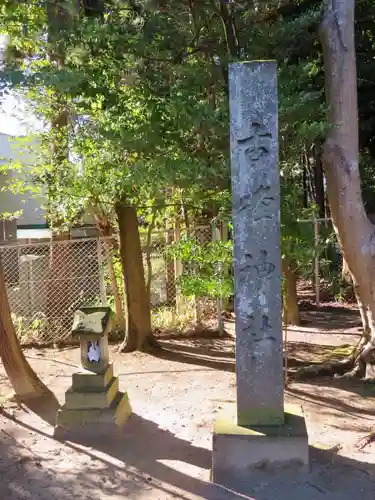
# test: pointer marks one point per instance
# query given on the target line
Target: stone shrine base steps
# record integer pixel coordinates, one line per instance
(93, 400)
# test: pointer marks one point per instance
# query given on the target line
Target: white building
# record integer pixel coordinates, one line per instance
(19, 150)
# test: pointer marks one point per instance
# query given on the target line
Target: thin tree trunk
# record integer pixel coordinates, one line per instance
(170, 282)
(59, 16)
(229, 26)
(340, 159)
(61, 289)
(120, 317)
(305, 187)
(319, 181)
(185, 217)
(139, 335)
(24, 380)
(105, 229)
(291, 314)
(148, 256)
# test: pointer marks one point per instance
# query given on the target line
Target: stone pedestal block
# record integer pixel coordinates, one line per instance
(93, 402)
(238, 451)
(94, 419)
(88, 381)
(92, 399)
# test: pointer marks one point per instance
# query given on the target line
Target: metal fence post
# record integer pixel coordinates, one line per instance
(317, 278)
(216, 236)
(103, 293)
(178, 270)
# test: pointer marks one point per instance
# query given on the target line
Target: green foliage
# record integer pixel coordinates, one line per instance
(145, 91)
(135, 74)
(205, 267)
(297, 237)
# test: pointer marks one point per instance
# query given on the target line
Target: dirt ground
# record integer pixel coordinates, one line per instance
(164, 451)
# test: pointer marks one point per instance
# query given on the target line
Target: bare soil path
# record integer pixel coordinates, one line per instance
(164, 452)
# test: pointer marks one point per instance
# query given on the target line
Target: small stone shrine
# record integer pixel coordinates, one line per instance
(94, 397)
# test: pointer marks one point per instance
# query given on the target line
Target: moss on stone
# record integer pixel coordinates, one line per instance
(294, 425)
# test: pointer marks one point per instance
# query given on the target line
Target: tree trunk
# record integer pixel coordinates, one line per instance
(170, 282)
(291, 315)
(105, 229)
(319, 181)
(61, 290)
(120, 317)
(24, 380)
(340, 159)
(229, 26)
(139, 335)
(148, 255)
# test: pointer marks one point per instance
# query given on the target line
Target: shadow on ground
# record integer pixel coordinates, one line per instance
(337, 316)
(26, 475)
(219, 354)
(149, 461)
(142, 452)
(201, 352)
(321, 392)
(45, 407)
(331, 477)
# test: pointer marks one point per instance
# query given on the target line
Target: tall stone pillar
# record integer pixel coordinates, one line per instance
(258, 430)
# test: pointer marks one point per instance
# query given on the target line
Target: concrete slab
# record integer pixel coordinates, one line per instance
(238, 451)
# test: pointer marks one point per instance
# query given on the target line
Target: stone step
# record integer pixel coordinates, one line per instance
(75, 400)
(96, 420)
(86, 381)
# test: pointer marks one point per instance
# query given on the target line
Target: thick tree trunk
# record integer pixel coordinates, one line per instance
(105, 230)
(291, 315)
(24, 381)
(340, 159)
(139, 335)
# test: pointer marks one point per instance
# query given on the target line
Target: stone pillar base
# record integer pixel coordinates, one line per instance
(92, 403)
(238, 452)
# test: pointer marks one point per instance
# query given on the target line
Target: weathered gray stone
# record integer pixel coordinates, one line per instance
(90, 399)
(94, 420)
(239, 453)
(258, 435)
(91, 321)
(256, 218)
(87, 381)
(92, 325)
(94, 397)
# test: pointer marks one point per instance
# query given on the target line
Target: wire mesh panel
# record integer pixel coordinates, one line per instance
(47, 282)
(160, 270)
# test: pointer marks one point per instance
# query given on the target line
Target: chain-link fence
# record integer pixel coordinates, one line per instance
(328, 260)
(47, 281)
(160, 270)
